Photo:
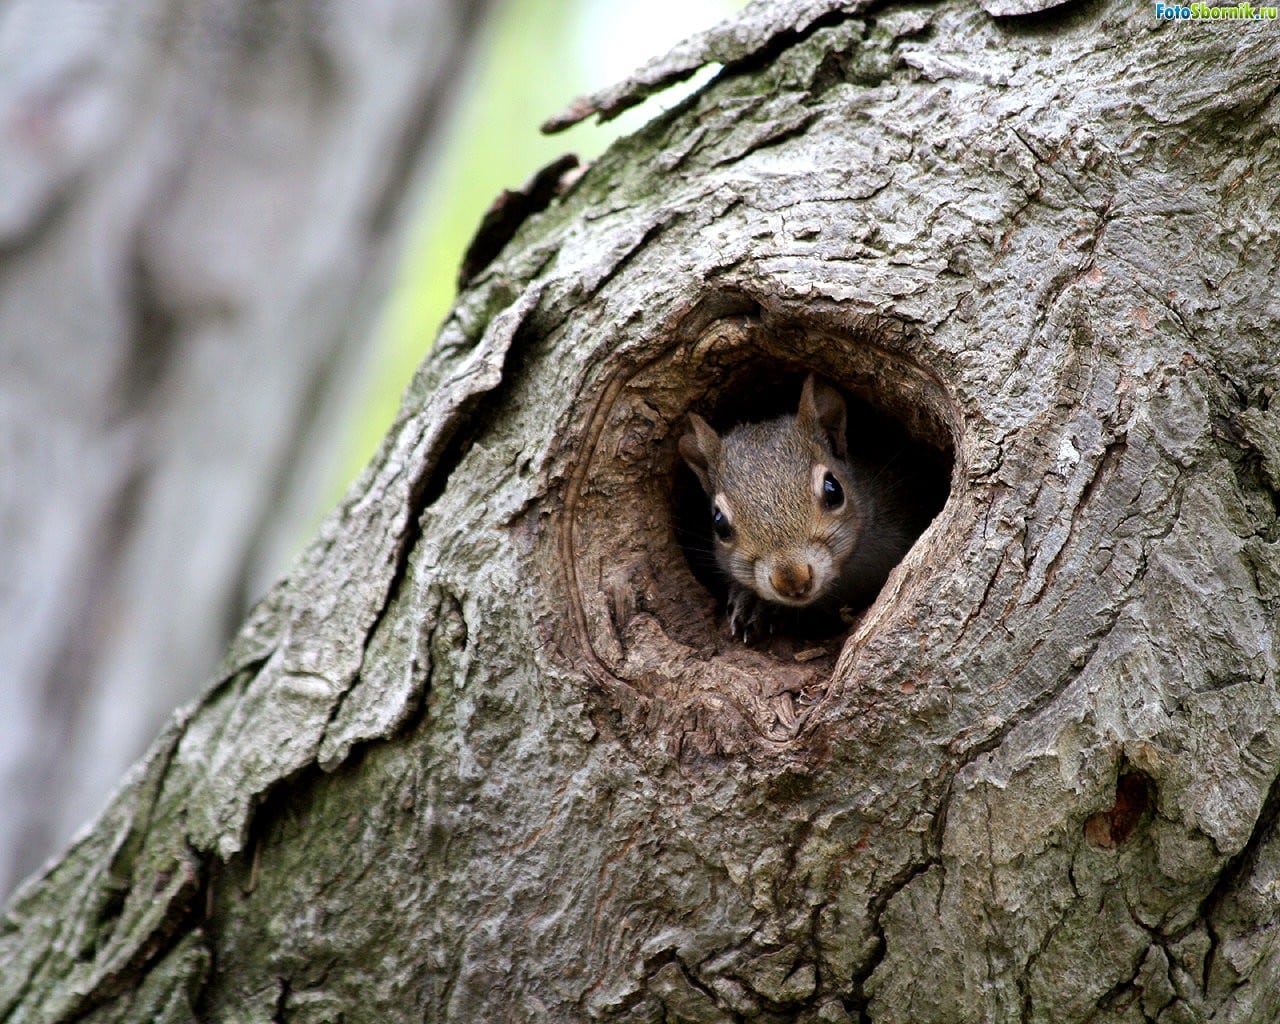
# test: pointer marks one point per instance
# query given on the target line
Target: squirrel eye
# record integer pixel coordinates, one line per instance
(720, 525)
(832, 492)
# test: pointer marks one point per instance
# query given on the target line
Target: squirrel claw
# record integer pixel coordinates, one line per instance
(747, 615)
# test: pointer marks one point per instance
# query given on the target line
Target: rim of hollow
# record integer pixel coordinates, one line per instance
(648, 624)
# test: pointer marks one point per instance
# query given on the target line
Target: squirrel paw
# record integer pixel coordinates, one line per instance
(748, 616)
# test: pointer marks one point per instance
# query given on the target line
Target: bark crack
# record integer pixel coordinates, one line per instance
(857, 1001)
(282, 1001)
(1235, 873)
(1106, 467)
(180, 911)
(1029, 965)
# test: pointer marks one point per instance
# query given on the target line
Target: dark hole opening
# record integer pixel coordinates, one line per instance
(1135, 797)
(917, 469)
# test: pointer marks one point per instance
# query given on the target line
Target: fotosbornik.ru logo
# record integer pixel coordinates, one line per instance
(1211, 12)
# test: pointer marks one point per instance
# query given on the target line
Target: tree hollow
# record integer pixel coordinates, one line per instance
(646, 601)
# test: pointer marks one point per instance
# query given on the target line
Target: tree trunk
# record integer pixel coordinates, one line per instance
(490, 754)
(199, 203)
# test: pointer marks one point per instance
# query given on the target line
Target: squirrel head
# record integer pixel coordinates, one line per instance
(785, 509)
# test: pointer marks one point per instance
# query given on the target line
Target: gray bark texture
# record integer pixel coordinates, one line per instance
(198, 202)
(489, 754)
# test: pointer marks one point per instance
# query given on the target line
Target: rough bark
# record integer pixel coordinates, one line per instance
(197, 205)
(489, 754)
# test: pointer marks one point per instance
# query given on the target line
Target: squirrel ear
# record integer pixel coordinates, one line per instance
(822, 412)
(701, 450)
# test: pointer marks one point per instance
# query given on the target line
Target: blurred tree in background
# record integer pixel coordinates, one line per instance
(531, 58)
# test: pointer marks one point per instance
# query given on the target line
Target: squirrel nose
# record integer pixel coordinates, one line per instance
(793, 581)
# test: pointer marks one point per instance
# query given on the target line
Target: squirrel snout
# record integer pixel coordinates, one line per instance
(791, 580)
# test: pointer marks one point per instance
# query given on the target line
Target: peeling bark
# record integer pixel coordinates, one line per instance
(489, 753)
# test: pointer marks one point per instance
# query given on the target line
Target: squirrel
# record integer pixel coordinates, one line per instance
(797, 521)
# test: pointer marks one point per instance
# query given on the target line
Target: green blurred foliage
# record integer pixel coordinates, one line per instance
(534, 57)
